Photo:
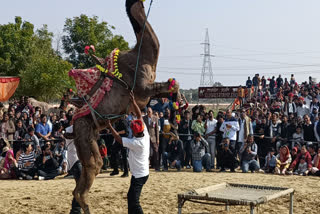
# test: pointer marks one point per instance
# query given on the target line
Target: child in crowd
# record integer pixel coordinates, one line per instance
(103, 152)
(302, 168)
(271, 161)
(297, 136)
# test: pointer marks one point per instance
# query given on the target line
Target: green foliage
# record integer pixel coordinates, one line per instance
(30, 56)
(46, 75)
(82, 31)
(16, 44)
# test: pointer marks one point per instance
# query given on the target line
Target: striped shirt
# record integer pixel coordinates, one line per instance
(24, 158)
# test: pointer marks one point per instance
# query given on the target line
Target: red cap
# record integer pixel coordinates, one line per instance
(290, 95)
(301, 98)
(137, 126)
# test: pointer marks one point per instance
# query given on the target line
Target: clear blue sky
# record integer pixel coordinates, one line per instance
(269, 37)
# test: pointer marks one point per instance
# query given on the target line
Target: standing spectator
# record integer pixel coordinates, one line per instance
(272, 85)
(228, 158)
(198, 125)
(292, 81)
(302, 109)
(20, 131)
(308, 129)
(103, 152)
(263, 83)
(241, 95)
(255, 83)
(122, 128)
(249, 155)
(279, 81)
(249, 87)
(245, 128)
(175, 153)
(7, 128)
(275, 131)
(152, 126)
(43, 129)
(186, 131)
(199, 156)
(210, 126)
(289, 106)
(229, 128)
(219, 137)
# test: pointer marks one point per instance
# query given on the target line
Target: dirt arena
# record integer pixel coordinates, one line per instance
(159, 195)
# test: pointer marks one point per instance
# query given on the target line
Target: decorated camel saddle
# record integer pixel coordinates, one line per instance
(93, 83)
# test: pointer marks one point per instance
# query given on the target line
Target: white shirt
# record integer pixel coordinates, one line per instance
(211, 125)
(232, 132)
(139, 149)
(302, 110)
(71, 154)
(315, 131)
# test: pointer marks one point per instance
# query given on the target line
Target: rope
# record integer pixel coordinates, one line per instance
(116, 116)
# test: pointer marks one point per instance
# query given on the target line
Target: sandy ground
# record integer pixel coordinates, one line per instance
(108, 194)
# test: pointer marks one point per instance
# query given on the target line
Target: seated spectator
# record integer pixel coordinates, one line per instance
(249, 155)
(7, 170)
(315, 170)
(227, 158)
(283, 160)
(31, 137)
(20, 131)
(48, 166)
(26, 163)
(302, 168)
(307, 156)
(270, 161)
(43, 129)
(60, 156)
(7, 127)
(297, 137)
(174, 153)
(200, 158)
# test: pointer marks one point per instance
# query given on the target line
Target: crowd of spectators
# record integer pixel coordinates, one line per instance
(274, 129)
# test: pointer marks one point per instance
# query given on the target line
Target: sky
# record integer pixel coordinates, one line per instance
(269, 37)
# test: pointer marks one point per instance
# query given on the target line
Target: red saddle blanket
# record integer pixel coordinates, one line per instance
(85, 80)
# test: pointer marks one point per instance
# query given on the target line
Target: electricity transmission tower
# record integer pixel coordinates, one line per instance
(206, 74)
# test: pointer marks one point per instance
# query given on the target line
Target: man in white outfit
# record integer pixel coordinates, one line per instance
(139, 149)
(210, 136)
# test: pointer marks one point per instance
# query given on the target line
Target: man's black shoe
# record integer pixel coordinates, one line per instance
(124, 175)
(114, 173)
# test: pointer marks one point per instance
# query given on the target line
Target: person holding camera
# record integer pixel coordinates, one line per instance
(174, 153)
(200, 157)
(228, 159)
(249, 155)
(48, 166)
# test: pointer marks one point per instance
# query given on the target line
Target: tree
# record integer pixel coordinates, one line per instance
(46, 76)
(30, 56)
(82, 31)
(16, 44)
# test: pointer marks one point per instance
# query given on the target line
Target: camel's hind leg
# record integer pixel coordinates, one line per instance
(88, 153)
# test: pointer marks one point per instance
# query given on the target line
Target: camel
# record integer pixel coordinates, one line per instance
(117, 99)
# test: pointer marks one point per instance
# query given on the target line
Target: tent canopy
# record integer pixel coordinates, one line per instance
(8, 86)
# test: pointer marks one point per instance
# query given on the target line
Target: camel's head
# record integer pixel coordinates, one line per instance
(136, 5)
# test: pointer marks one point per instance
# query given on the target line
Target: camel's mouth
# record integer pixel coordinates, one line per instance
(129, 5)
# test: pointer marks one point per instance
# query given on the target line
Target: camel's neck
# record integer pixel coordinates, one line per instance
(150, 42)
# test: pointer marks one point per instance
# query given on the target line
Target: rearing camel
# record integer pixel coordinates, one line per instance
(117, 99)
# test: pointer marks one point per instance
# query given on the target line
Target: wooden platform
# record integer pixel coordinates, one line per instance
(227, 194)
